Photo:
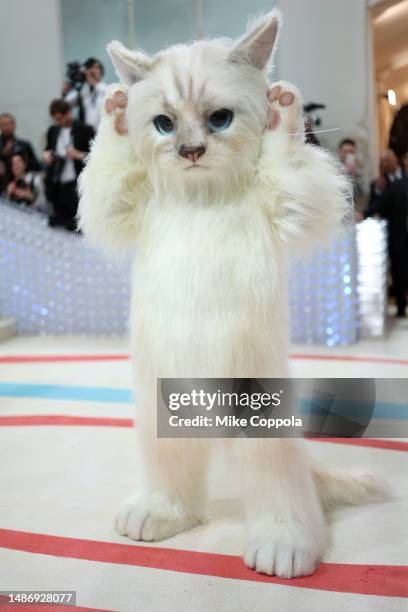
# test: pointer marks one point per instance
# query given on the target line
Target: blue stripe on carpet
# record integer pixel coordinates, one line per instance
(383, 410)
(66, 392)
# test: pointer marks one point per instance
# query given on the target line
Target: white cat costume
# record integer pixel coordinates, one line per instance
(211, 202)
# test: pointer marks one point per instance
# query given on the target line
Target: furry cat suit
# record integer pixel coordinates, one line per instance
(200, 168)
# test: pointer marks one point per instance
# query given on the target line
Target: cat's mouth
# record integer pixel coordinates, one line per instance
(195, 166)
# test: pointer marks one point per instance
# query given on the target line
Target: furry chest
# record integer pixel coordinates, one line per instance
(207, 263)
(207, 296)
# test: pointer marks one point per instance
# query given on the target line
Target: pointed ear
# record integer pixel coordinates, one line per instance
(130, 66)
(257, 46)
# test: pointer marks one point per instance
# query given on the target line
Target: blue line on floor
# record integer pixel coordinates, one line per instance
(383, 410)
(349, 409)
(66, 392)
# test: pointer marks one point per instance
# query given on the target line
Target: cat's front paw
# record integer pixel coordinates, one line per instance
(152, 516)
(283, 552)
(285, 109)
(115, 106)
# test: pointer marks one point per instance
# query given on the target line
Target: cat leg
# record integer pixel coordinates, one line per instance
(310, 194)
(172, 497)
(285, 523)
(285, 125)
(113, 187)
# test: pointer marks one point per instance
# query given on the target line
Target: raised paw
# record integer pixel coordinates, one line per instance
(152, 517)
(285, 109)
(115, 105)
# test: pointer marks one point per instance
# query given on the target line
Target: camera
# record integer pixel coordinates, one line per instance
(310, 109)
(75, 74)
(312, 121)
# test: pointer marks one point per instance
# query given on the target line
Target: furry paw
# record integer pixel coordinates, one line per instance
(115, 105)
(152, 517)
(285, 553)
(285, 109)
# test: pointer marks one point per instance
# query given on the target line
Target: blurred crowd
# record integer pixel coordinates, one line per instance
(387, 199)
(49, 184)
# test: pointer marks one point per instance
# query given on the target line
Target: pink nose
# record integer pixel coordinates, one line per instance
(192, 153)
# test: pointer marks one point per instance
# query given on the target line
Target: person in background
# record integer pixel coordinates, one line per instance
(68, 142)
(3, 177)
(347, 154)
(10, 144)
(91, 95)
(24, 187)
(398, 140)
(404, 163)
(390, 171)
(390, 201)
(392, 168)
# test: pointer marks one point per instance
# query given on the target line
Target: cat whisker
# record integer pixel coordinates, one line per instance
(315, 132)
(289, 134)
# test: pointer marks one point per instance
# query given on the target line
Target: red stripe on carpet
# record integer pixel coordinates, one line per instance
(60, 358)
(368, 442)
(59, 419)
(383, 580)
(385, 360)
(123, 357)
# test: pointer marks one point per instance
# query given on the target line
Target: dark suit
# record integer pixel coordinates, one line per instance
(22, 147)
(64, 195)
(393, 206)
(399, 132)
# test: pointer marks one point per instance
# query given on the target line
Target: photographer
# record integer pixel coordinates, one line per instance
(68, 143)
(25, 187)
(348, 157)
(11, 144)
(85, 88)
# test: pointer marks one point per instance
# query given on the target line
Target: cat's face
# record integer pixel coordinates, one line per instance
(196, 113)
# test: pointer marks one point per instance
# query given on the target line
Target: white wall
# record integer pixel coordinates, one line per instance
(88, 25)
(324, 49)
(31, 63)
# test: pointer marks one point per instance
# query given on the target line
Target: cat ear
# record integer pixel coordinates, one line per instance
(130, 66)
(258, 45)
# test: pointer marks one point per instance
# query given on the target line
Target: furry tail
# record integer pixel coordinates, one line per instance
(338, 487)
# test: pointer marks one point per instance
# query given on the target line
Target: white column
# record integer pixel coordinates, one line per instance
(324, 50)
(31, 67)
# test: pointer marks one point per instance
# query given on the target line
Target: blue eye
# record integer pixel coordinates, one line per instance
(220, 120)
(163, 124)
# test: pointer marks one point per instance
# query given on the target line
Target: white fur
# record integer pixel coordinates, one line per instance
(209, 280)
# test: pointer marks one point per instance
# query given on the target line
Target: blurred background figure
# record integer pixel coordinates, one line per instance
(25, 187)
(68, 141)
(389, 200)
(399, 132)
(312, 122)
(10, 144)
(347, 154)
(85, 89)
(390, 171)
(391, 167)
(404, 163)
